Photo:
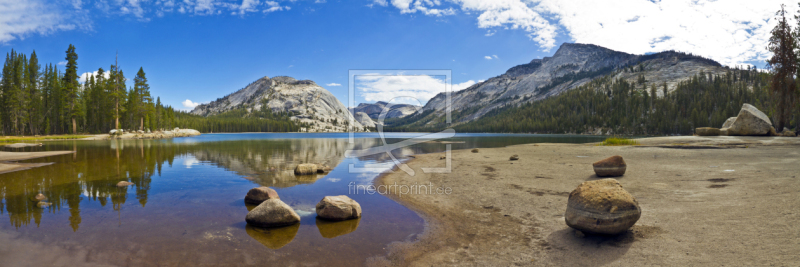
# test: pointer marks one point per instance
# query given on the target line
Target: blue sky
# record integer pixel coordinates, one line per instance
(204, 49)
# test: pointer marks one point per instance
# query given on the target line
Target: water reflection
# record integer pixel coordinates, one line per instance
(273, 238)
(329, 229)
(186, 200)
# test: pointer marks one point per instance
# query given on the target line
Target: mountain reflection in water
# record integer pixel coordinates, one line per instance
(186, 202)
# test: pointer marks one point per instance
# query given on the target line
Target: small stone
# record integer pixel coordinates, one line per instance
(612, 166)
(579, 234)
(305, 169)
(601, 207)
(338, 208)
(260, 194)
(706, 131)
(514, 157)
(772, 131)
(474, 150)
(442, 157)
(272, 213)
(123, 183)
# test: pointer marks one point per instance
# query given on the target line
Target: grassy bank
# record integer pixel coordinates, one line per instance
(31, 139)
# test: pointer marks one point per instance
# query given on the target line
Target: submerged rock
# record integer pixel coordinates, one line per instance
(601, 207)
(706, 131)
(260, 194)
(123, 183)
(338, 208)
(305, 169)
(750, 121)
(273, 238)
(329, 229)
(272, 213)
(611, 166)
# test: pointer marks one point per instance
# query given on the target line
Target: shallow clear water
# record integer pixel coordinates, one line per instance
(186, 205)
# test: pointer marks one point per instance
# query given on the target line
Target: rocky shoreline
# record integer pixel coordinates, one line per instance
(734, 205)
(146, 135)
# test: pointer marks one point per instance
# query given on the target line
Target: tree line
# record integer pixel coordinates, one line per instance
(634, 107)
(36, 100)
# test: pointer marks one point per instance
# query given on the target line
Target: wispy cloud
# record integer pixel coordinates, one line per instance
(19, 19)
(333, 84)
(487, 57)
(408, 89)
(731, 32)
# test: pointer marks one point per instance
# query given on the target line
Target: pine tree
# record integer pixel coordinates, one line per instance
(34, 93)
(143, 102)
(70, 83)
(783, 66)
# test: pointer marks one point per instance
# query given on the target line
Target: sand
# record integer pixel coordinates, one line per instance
(7, 159)
(706, 201)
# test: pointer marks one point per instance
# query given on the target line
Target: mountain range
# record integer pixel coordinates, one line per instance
(571, 66)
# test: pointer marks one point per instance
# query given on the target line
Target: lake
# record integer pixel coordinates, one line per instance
(186, 206)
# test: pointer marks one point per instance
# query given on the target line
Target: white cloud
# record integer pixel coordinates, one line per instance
(462, 86)
(333, 84)
(731, 32)
(62, 63)
(488, 58)
(408, 89)
(189, 104)
(378, 2)
(85, 76)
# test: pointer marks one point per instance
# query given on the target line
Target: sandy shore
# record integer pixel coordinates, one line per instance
(8, 164)
(733, 205)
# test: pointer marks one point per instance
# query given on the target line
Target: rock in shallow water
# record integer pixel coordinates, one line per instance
(601, 207)
(612, 166)
(305, 169)
(260, 194)
(338, 208)
(39, 197)
(272, 213)
(123, 183)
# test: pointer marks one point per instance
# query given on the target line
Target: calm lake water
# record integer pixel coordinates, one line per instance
(186, 206)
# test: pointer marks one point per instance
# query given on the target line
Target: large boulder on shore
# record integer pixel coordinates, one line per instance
(305, 169)
(706, 131)
(272, 213)
(750, 121)
(610, 167)
(260, 194)
(728, 122)
(338, 208)
(602, 207)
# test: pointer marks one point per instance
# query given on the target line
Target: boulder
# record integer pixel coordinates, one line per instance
(601, 207)
(514, 157)
(272, 213)
(123, 183)
(260, 194)
(611, 166)
(329, 229)
(273, 238)
(728, 122)
(788, 133)
(723, 131)
(321, 168)
(338, 208)
(772, 131)
(474, 150)
(706, 131)
(750, 121)
(305, 169)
